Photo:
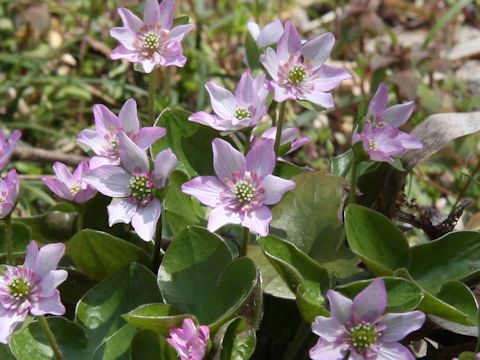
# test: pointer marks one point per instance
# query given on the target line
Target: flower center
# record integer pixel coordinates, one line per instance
(151, 41)
(297, 74)
(244, 192)
(75, 189)
(371, 144)
(19, 288)
(363, 336)
(241, 113)
(141, 187)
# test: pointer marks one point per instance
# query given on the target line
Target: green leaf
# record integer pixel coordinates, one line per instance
(6, 353)
(191, 142)
(310, 302)
(117, 346)
(98, 254)
(402, 294)
(287, 170)
(181, 20)
(30, 343)
(379, 243)
(53, 226)
(21, 238)
(198, 276)
(147, 345)
(293, 265)
(101, 308)
(180, 209)
(156, 317)
(455, 256)
(234, 341)
(309, 217)
(467, 356)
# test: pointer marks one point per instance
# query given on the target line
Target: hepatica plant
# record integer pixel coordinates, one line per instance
(214, 230)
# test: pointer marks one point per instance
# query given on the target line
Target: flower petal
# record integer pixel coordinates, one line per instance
(261, 158)
(48, 258)
(408, 141)
(133, 158)
(180, 31)
(394, 351)
(110, 180)
(63, 173)
(130, 20)
(328, 329)
(167, 8)
(320, 98)
(318, 49)
(98, 161)
(270, 34)
(165, 162)
(145, 219)
(270, 60)
(128, 117)
(258, 220)
(32, 253)
(398, 326)
(324, 350)
(8, 322)
(206, 189)
(147, 136)
(50, 282)
(120, 211)
(371, 302)
(222, 100)
(340, 306)
(58, 187)
(329, 77)
(125, 36)
(275, 187)
(151, 13)
(91, 140)
(48, 305)
(105, 121)
(221, 216)
(290, 42)
(397, 115)
(227, 161)
(379, 102)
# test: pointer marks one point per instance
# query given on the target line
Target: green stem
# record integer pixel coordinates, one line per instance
(245, 235)
(281, 116)
(466, 186)
(151, 96)
(9, 240)
(158, 247)
(51, 338)
(353, 180)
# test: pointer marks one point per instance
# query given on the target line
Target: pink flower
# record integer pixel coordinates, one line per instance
(9, 188)
(7, 145)
(31, 287)
(132, 186)
(233, 112)
(70, 186)
(298, 71)
(151, 42)
(362, 328)
(289, 136)
(268, 35)
(243, 187)
(103, 140)
(189, 341)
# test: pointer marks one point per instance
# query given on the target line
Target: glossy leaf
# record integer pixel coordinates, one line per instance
(117, 346)
(147, 345)
(21, 236)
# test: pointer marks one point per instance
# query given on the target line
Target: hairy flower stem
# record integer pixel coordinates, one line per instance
(158, 247)
(51, 338)
(280, 117)
(9, 240)
(245, 235)
(151, 96)
(353, 180)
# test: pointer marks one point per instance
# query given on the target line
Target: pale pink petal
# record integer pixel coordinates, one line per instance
(221, 216)
(203, 118)
(121, 52)
(270, 60)
(330, 77)
(63, 173)
(151, 13)
(245, 93)
(48, 305)
(130, 20)
(51, 281)
(165, 163)
(258, 220)
(125, 36)
(147, 136)
(398, 326)
(92, 140)
(290, 42)
(397, 115)
(8, 322)
(120, 211)
(275, 187)
(379, 102)
(270, 34)
(31, 256)
(110, 180)
(222, 100)
(105, 121)
(227, 161)
(5, 209)
(261, 158)
(282, 93)
(80, 169)
(133, 158)
(324, 350)
(98, 161)
(180, 31)
(84, 195)
(318, 49)
(128, 117)
(320, 98)
(148, 65)
(408, 141)
(145, 219)
(254, 29)
(394, 351)
(297, 144)
(206, 189)
(167, 8)
(340, 306)
(48, 258)
(58, 187)
(364, 309)
(327, 328)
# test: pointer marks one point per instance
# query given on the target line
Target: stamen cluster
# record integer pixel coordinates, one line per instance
(244, 191)
(19, 288)
(241, 114)
(297, 74)
(151, 41)
(141, 187)
(364, 336)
